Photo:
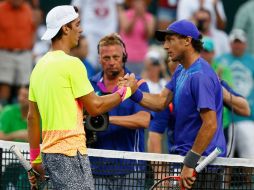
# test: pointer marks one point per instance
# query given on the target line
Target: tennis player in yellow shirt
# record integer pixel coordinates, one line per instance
(59, 90)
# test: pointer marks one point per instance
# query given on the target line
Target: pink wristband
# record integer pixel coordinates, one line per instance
(34, 154)
(124, 92)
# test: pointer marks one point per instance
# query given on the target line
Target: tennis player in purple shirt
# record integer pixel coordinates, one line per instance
(196, 94)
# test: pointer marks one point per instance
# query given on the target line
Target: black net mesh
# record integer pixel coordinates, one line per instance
(139, 172)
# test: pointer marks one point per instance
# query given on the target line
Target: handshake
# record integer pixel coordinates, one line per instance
(128, 87)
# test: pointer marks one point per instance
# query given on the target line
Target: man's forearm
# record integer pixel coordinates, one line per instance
(33, 135)
(204, 137)
(33, 122)
(206, 132)
(20, 135)
(155, 102)
(135, 121)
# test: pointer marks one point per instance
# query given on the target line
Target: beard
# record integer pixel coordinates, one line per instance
(112, 73)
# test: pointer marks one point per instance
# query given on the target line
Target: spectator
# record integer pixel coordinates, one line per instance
(153, 72)
(81, 51)
(202, 19)
(13, 127)
(244, 19)
(13, 124)
(136, 28)
(127, 121)
(208, 54)
(59, 89)
(98, 18)
(242, 68)
(166, 13)
(17, 32)
(186, 8)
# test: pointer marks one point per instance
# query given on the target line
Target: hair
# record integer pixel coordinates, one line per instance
(196, 44)
(113, 39)
(60, 32)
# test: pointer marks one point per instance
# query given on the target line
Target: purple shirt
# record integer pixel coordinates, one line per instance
(195, 88)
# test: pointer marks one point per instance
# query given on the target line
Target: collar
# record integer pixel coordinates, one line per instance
(98, 79)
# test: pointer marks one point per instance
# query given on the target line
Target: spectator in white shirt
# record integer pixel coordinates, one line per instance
(202, 19)
(186, 8)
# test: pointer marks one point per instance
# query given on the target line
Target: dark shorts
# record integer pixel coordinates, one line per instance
(68, 172)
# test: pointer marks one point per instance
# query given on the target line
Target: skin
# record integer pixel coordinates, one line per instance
(238, 48)
(82, 50)
(95, 105)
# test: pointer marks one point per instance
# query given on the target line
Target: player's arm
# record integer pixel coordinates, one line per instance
(206, 132)
(96, 105)
(140, 119)
(157, 102)
(33, 121)
(203, 139)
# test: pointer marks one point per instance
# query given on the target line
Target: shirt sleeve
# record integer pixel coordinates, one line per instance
(203, 91)
(80, 83)
(228, 88)
(160, 121)
(31, 95)
(241, 17)
(221, 11)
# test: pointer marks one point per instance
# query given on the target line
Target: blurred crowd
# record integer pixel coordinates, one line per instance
(22, 24)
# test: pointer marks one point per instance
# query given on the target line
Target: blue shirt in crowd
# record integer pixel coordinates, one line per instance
(242, 69)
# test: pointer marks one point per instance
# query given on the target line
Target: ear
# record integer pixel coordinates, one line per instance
(187, 41)
(65, 29)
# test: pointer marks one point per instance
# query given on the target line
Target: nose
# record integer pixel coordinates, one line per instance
(111, 61)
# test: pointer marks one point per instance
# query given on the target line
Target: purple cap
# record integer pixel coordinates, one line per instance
(182, 27)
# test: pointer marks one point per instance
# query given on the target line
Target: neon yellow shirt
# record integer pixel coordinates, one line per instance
(55, 84)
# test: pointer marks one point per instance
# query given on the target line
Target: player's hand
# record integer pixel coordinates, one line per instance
(128, 80)
(33, 178)
(187, 178)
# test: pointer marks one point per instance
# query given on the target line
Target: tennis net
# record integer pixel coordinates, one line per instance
(119, 170)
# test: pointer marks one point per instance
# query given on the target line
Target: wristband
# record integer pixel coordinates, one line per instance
(191, 159)
(35, 156)
(137, 96)
(124, 92)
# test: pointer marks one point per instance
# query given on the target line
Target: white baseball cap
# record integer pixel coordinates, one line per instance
(56, 18)
(237, 34)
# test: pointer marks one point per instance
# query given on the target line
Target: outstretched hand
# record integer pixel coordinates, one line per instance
(128, 80)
